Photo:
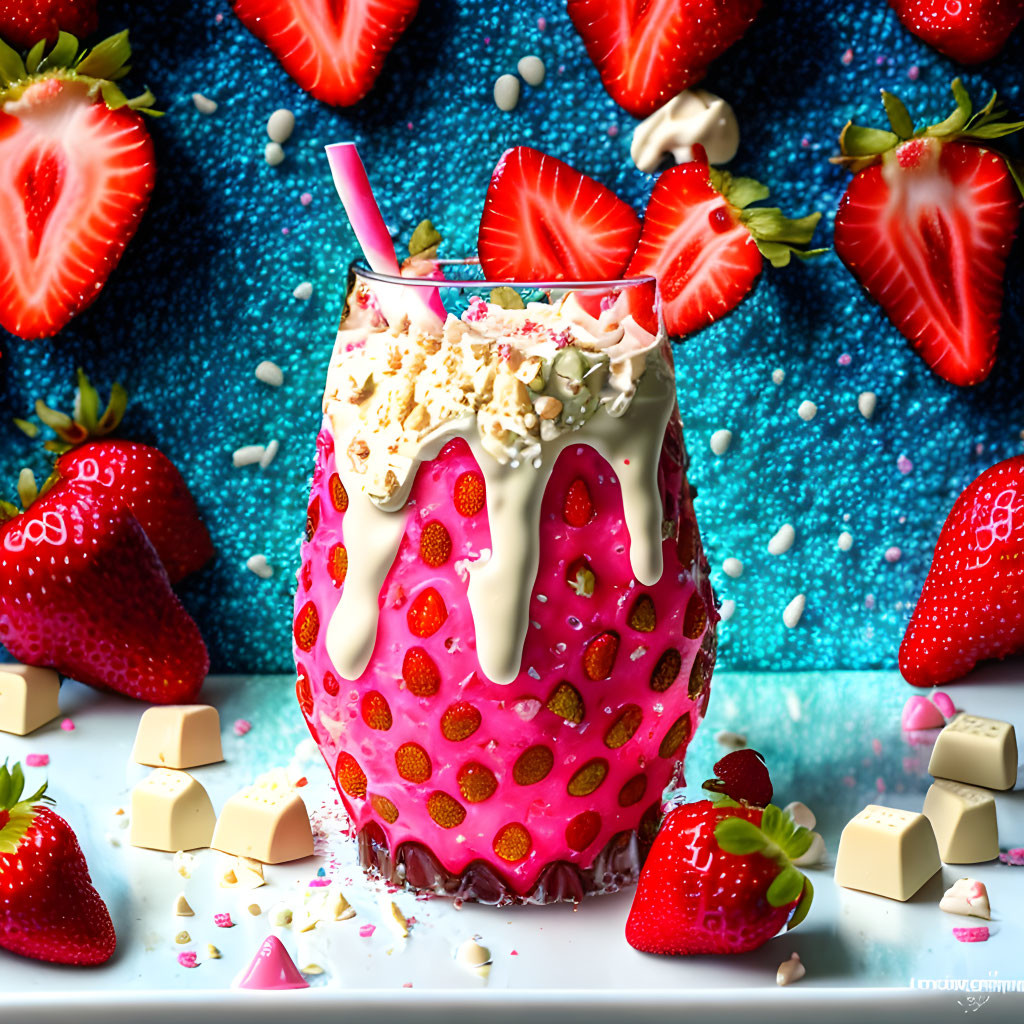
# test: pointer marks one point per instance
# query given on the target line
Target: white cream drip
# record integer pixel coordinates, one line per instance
(694, 116)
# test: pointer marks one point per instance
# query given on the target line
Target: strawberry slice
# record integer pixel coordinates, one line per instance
(76, 172)
(926, 226)
(705, 247)
(334, 49)
(647, 52)
(544, 220)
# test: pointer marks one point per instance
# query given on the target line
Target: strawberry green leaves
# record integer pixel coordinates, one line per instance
(12, 785)
(87, 423)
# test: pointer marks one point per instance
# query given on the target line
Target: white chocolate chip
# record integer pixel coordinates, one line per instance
(473, 957)
(532, 70)
(506, 92)
(280, 125)
(845, 541)
(259, 565)
(867, 401)
(270, 453)
(255, 909)
(212, 951)
(727, 611)
(247, 455)
(783, 540)
(303, 291)
(807, 410)
(182, 908)
(720, 441)
(778, 376)
(273, 153)
(204, 104)
(794, 611)
(732, 567)
(270, 373)
(790, 970)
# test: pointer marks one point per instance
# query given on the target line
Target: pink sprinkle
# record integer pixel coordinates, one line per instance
(542, 24)
(979, 934)
(223, 921)
(366, 930)
(880, 785)
(613, 130)
(319, 883)
(67, 725)
(218, 18)
(188, 959)
(306, 198)
(893, 554)
(37, 760)
(477, 310)
(487, 40)
(1014, 857)
(805, 143)
(943, 702)
(284, 231)
(409, 125)
(904, 465)
(979, 448)
(879, 60)
(913, 72)
(869, 602)
(847, 57)
(515, 952)
(241, 726)
(845, 359)
(876, 746)
(407, 984)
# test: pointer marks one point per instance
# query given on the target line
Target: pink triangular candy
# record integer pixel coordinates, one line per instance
(272, 968)
(921, 713)
(943, 702)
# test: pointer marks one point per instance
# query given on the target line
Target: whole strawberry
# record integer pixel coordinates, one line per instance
(49, 909)
(742, 776)
(137, 476)
(24, 22)
(82, 590)
(926, 226)
(719, 879)
(76, 173)
(969, 31)
(972, 604)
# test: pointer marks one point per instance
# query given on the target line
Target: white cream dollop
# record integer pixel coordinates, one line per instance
(691, 118)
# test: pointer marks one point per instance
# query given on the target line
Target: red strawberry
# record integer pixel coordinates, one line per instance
(83, 591)
(49, 909)
(972, 605)
(926, 226)
(24, 22)
(742, 776)
(719, 879)
(969, 31)
(77, 170)
(706, 244)
(543, 220)
(648, 52)
(137, 476)
(335, 51)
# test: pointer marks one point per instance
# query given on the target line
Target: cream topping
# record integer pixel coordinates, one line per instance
(694, 116)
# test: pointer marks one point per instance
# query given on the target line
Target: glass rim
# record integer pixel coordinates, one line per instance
(363, 270)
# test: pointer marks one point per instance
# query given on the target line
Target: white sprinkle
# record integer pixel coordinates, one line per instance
(303, 291)
(273, 153)
(259, 565)
(532, 69)
(778, 376)
(731, 740)
(807, 411)
(720, 441)
(247, 455)
(793, 706)
(270, 454)
(270, 373)
(790, 970)
(727, 611)
(733, 567)
(845, 541)
(281, 125)
(637, 654)
(794, 611)
(506, 92)
(866, 402)
(783, 540)
(204, 104)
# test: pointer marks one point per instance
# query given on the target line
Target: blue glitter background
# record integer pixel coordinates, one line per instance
(204, 293)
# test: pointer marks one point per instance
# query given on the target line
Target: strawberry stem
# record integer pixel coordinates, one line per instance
(87, 422)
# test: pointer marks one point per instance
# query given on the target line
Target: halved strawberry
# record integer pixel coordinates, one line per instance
(544, 220)
(648, 51)
(706, 247)
(334, 50)
(926, 226)
(76, 169)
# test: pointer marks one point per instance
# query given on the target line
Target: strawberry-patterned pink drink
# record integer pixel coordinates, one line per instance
(504, 629)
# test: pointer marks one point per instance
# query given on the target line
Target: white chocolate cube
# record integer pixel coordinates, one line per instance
(171, 811)
(28, 698)
(266, 822)
(978, 751)
(178, 736)
(964, 821)
(887, 852)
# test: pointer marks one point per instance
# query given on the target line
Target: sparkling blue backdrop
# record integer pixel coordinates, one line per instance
(204, 293)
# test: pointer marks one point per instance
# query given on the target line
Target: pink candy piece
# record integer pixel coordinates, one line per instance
(366, 930)
(979, 934)
(1013, 857)
(67, 725)
(306, 198)
(188, 959)
(944, 703)
(921, 713)
(272, 968)
(319, 883)
(37, 760)
(223, 921)
(242, 726)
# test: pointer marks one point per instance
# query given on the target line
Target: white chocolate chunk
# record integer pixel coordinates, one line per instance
(964, 820)
(182, 908)
(506, 92)
(336, 906)
(473, 957)
(270, 373)
(867, 401)
(532, 69)
(266, 822)
(801, 814)
(720, 441)
(794, 611)
(243, 873)
(790, 970)
(212, 951)
(968, 897)
(171, 811)
(28, 698)
(393, 917)
(887, 852)
(178, 736)
(978, 751)
(782, 540)
(280, 125)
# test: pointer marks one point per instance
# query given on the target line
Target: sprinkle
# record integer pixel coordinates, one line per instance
(913, 72)
(247, 455)
(67, 725)
(845, 359)
(366, 930)
(273, 153)
(204, 104)
(37, 760)
(979, 934)
(321, 873)
(904, 465)
(258, 564)
(893, 554)
(807, 410)
(778, 376)
(306, 198)
(542, 24)
(182, 937)
(847, 57)
(794, 611)
(303, 291)
(866, 403)
(720, 441)
(319, 883)
(943, 702)
(783, 540)
(270, 373)
(845, 541)
(223, 921)
(532, 69)
(241, 726)
(1014, 857)
(280, 125)
(187, 959)
(270, 453)
(506, 92)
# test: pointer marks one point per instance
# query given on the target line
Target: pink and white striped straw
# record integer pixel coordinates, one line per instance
(353, 185)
